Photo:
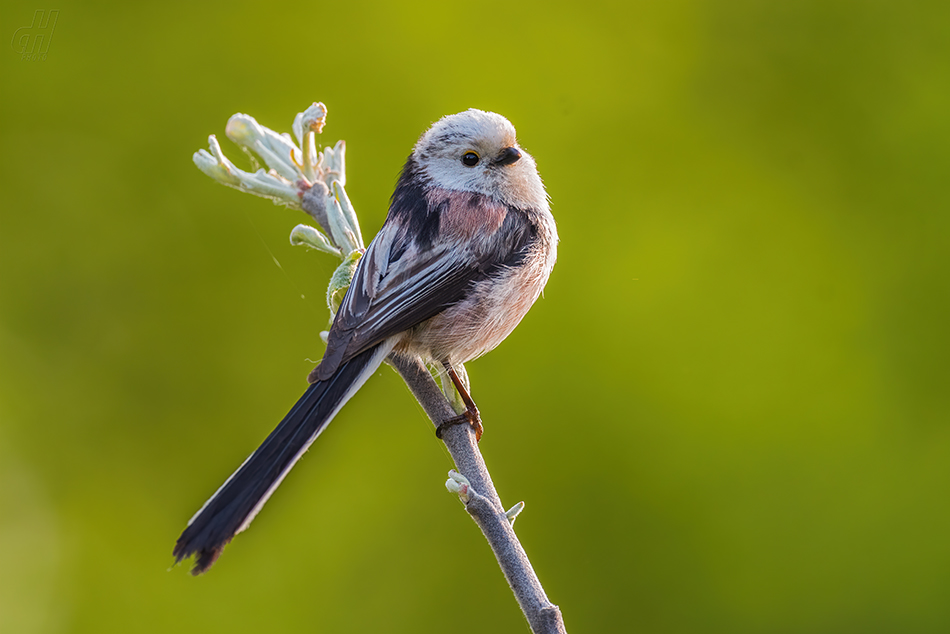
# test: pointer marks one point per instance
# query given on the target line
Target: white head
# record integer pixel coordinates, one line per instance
(476, 151)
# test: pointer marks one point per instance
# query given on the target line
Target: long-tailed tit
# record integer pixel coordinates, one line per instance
(465, 251)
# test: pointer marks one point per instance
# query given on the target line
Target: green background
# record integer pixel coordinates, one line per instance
(729, 413)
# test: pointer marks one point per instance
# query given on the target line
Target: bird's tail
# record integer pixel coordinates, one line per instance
(234, 505)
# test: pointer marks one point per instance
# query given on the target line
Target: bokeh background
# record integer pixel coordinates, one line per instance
(729, 413)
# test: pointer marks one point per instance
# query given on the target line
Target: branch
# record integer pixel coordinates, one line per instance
(301, 177)
(481, 500)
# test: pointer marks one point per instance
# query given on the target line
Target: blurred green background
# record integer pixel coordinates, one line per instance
(729, 413)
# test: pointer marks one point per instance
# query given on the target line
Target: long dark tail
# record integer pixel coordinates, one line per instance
(234, 505)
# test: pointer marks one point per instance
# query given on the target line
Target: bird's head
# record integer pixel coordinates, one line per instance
(477, 151)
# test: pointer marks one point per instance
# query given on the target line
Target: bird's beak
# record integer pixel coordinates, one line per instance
(508, 156)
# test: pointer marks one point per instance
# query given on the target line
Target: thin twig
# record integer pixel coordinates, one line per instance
(483, 503)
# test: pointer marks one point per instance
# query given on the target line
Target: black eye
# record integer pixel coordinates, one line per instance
(470, 159)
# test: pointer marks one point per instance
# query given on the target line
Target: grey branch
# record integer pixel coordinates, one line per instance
(483, 503)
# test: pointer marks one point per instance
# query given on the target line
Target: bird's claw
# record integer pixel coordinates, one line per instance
(468, 416)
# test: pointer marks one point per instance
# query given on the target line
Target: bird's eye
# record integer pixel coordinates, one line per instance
(470, 159)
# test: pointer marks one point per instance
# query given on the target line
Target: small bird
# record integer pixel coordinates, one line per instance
(466, 249)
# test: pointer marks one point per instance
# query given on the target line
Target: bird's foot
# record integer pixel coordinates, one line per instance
(469, 416)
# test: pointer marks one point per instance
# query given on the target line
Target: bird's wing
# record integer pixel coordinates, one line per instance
(402, 281)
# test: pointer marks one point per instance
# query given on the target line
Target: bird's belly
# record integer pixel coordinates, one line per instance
(481, 321)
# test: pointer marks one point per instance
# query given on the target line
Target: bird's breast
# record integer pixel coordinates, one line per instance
(489, 312)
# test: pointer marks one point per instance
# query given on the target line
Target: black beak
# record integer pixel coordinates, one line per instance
(508, 156)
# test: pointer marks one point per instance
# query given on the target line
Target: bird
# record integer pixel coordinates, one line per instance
(466, 249)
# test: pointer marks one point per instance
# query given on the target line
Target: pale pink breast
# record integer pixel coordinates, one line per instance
(496, 305)
(466, 215)
(481, 322)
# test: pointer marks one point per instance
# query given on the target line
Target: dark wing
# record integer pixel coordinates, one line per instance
(409, 290)
(403, 280)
